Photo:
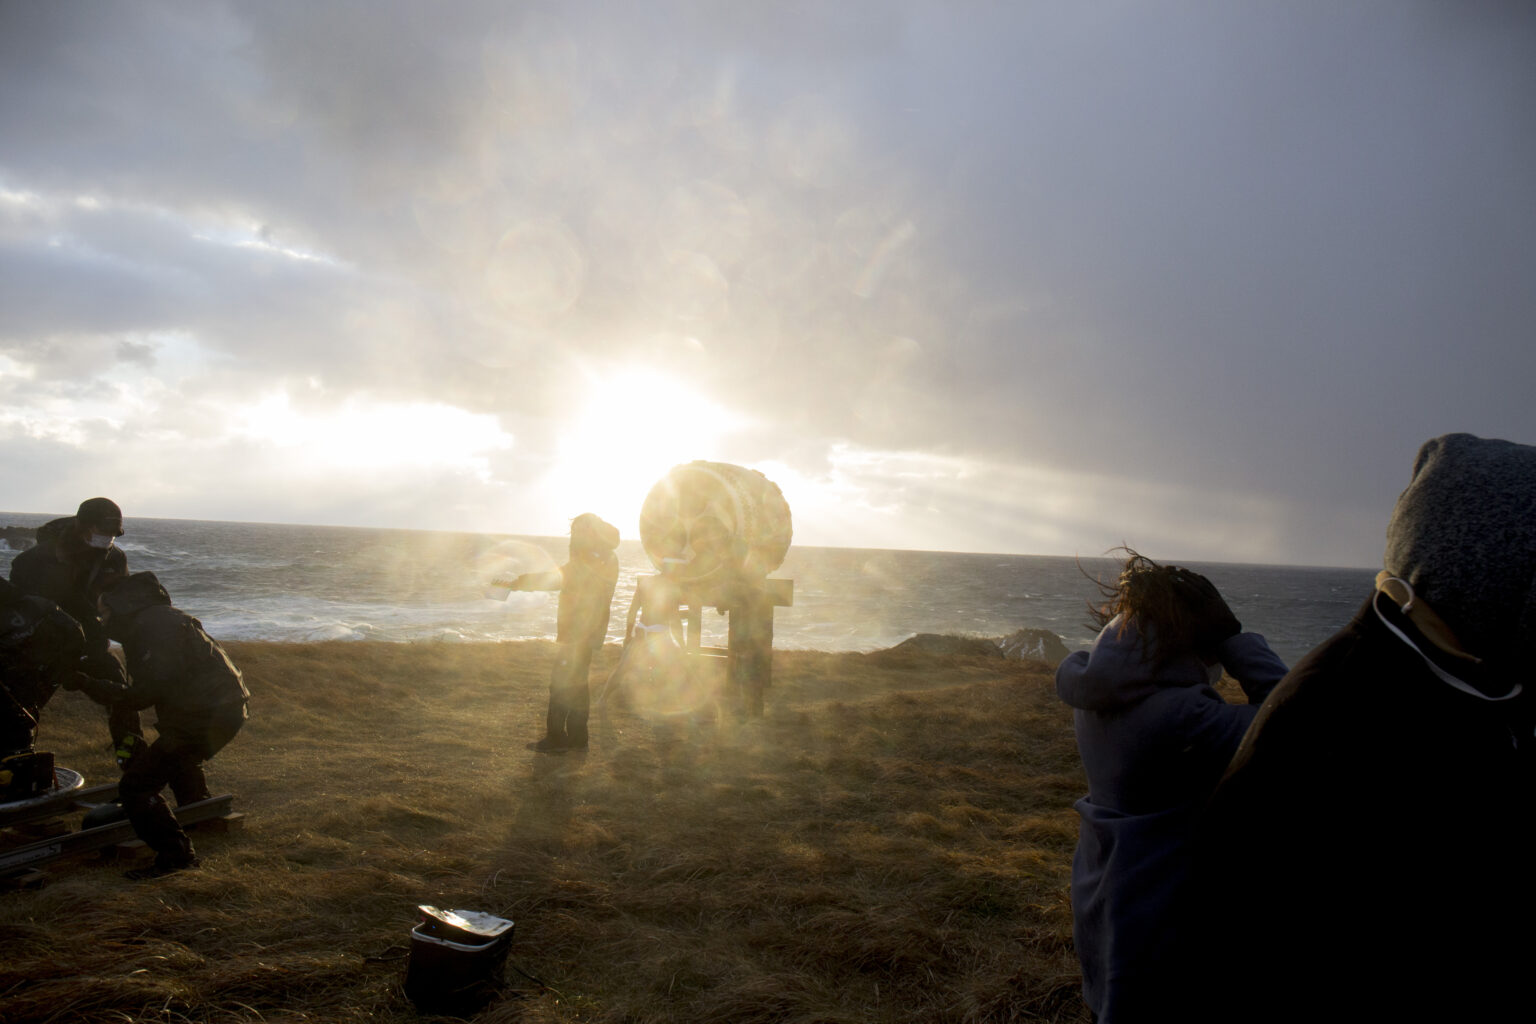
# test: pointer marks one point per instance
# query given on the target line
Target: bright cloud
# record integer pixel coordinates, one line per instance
(367, 437)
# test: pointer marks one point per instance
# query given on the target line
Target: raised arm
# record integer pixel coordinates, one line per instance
(533, 581)
(1248, 659)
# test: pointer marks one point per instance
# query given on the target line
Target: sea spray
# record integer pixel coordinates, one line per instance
(259, 581)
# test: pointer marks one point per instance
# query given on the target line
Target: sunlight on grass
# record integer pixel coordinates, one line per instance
(891, 842)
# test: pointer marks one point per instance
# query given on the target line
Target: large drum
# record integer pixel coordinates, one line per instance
(704, 520)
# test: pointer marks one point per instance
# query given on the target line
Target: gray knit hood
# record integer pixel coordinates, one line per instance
(1463, 535)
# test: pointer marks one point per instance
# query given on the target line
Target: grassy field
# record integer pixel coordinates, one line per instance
(891, 842)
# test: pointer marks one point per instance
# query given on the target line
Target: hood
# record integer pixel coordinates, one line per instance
(1463, 535)
(591, 531)
(34, 631)
(132, 594)
(1118, 670)
(55, 530)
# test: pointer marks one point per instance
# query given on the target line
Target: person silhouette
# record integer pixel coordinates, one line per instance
(586, 582)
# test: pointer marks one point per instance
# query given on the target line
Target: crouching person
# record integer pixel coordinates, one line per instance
(199, 701)
(40, 648)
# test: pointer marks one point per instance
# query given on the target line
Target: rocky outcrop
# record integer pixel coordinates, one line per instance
(1025, 645)
(1034, 645)
(949, 644)
(18, 538)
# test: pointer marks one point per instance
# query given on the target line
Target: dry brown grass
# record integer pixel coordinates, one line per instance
(890, 843)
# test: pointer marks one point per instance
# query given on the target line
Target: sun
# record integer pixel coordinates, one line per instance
(630, 428)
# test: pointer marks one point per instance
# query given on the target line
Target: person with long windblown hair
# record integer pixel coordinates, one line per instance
(1154, 736)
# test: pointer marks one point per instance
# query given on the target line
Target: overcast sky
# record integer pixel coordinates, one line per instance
(997, 276)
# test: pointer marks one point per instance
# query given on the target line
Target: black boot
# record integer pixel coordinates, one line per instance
(165, 864)
(154, 823)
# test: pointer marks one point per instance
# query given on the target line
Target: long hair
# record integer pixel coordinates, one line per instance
(1156, 599)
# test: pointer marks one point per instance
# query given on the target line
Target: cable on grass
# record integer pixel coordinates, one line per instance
(389, 955)
(546, 987)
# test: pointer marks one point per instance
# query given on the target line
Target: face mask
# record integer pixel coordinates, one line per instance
(1213, 673)
(100, 541)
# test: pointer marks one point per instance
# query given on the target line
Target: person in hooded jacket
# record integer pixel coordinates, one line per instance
(74, 559)
(586, 583)
(1384, 794)
(40, 649)
(200, 702)
(1154, 737)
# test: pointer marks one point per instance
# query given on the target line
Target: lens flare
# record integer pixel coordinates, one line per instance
(498, 566)
(656, 679)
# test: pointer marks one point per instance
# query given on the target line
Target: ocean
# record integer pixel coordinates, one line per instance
(259, 581)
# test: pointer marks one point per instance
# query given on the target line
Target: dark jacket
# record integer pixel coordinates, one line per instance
(1154, 740)
(38, 641)
(68, 575)
(586, 598)
(1377, 818)
(175, 666)
(40, 648)
(1377, 823)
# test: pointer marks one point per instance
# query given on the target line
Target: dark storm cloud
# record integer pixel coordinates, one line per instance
(1256, 248)
(1273, 226)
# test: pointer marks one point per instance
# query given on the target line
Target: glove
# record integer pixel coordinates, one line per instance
(127, 747)
(105, 692)
(105, 666)
(1213, 620)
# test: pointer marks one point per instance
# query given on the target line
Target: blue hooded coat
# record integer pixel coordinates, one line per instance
(1154, 739)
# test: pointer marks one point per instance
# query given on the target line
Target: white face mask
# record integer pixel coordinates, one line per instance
(1213, 673)
(100, 541)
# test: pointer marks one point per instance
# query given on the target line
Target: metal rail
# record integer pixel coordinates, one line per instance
(71, 800)
(21, 858)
